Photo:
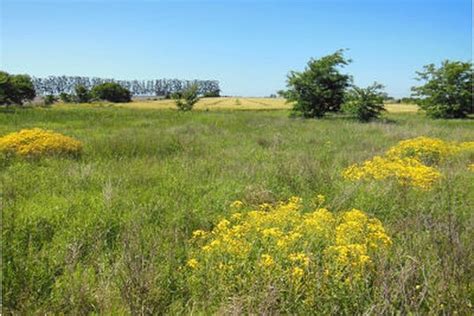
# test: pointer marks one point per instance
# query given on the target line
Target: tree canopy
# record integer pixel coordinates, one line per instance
(15, 89)
(320, 87)
(447, 91)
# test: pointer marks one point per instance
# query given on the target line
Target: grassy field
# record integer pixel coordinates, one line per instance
(108, 232)
(246, 103)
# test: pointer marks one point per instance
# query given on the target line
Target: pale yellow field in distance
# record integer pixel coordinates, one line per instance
(245, 103)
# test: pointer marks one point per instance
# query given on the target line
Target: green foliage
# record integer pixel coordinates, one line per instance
(212, 94)
(365, 103)
(407, 100)
(186, 99)
(49, 99)
(447, 91)
(108, 233)
(82, 94)
(320, 87)
(15, 89)
(65, 97)
(112, 92)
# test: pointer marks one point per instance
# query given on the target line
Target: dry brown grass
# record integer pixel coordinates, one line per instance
(245, 103)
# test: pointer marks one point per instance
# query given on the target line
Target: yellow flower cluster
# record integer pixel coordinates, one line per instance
(425, 149)
(407, 171)
(37, 142)
(282, 245)
(410, 162)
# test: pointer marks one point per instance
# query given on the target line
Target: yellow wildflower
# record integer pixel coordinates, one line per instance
(320, 198)
(266, 261)
(192, 263)
(297, 273)
(237, 204)
(199, 233)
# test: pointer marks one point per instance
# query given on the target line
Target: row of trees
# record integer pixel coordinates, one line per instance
(108, 91)
(56, 85)
(446, 92)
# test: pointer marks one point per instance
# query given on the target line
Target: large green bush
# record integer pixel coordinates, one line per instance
(15, 89)
(320, 87)
(111, 91)
(447, 91)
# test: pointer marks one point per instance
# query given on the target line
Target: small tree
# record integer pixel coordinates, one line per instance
(112, 92)
(320, 87)
(186, 99)
(82, 94)
(365, 103)
(447, 91)
(15, 89)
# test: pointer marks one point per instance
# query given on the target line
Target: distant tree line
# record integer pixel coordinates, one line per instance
(55, 85)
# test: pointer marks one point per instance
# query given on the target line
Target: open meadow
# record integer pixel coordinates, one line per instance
(109, 232)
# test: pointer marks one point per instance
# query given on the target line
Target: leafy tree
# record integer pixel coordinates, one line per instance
(82, 94)
(320, 87)
(15, 89)
(447, 91)
(111, 91)
(186, 99)
(365, 103)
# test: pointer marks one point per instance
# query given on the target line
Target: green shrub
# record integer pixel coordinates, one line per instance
(365, 103)
(186, 99)
(15, 89)
(112, 92)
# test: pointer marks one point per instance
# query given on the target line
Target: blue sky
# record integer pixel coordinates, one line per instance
(249, 46)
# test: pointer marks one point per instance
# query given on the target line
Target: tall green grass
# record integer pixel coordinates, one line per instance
(107, 233)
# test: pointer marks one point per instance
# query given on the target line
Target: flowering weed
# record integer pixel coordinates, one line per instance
(37, 142)
(301, 256)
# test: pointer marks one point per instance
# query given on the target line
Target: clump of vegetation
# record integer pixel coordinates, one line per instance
(66, 98)
(406, 171)
(280, 251)
(49, 99)
(82, 94)
(15, 89)
(37, 142)
(212, 94)
(186, 99)
(365, 103)
(447, 91)
(426, 149)
(112, 92)
(410, 162)
(320, 88)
